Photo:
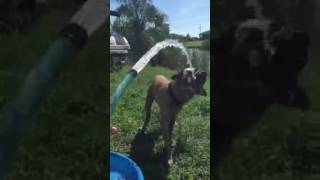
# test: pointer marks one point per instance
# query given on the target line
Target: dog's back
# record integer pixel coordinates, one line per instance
(159, 83)
(155, 92)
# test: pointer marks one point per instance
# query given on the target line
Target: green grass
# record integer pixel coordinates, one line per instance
(193, 44)
(68, 138)
(192, 133)
(280, 147)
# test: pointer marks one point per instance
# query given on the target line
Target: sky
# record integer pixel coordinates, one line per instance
(184, 16)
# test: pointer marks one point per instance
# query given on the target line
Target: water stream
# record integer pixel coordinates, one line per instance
(200, 59)
(144, 60)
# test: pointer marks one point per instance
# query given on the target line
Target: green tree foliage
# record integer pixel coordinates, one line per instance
(142, 23)
(171, 58)
(177, 36)
(188, 37)
(221, 10)
(206, 44)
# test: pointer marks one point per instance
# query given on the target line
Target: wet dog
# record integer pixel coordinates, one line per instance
(171, 95)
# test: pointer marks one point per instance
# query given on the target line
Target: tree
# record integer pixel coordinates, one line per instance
(177, 36)
(142, 23)
(188, 37)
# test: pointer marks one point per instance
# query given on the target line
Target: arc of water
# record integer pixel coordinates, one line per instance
(144, 60)
(137, 68)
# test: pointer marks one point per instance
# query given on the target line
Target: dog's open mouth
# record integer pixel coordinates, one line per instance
(192, 79)
(199, 79)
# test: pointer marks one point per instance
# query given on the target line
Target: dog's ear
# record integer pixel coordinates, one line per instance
(301, 38)
(177, 76)
(201, 78)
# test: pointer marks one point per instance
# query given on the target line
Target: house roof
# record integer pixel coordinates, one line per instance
(205, 32)
(114, 13)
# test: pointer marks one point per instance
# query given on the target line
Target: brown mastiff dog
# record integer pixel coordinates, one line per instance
(171, 95)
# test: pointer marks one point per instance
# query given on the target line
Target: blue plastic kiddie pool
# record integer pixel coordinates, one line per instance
(123, 168)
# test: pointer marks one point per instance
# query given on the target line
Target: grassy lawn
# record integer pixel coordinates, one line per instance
(193, 44)
(284, 145)
(69, 132)
(68, 135)
(192, 133)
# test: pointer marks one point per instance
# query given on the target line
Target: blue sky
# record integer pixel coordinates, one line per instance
(184, 16)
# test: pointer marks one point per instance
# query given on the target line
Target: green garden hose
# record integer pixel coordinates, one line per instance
(130, 76)
(16, 115)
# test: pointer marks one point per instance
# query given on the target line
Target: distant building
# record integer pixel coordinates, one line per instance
(204, 35)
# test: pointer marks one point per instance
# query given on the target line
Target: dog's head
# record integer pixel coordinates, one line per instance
(290, 46)
(192, 80)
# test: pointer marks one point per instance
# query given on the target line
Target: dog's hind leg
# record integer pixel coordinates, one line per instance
(147, 107)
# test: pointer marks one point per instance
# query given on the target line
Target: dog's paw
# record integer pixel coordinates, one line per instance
(169, 159)
(173, 144)
(170, 162)
(142, 130)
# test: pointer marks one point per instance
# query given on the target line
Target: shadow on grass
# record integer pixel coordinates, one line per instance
(142, 152)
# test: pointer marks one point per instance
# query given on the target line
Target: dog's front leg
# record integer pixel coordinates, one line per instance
(172, 124)
(166, 132)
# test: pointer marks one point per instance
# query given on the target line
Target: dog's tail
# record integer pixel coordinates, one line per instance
(147, 107)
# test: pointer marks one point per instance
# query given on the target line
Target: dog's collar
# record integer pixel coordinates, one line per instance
(178, 103)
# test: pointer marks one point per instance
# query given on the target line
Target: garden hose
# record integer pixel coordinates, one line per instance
(130, 76)
(16, 115)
